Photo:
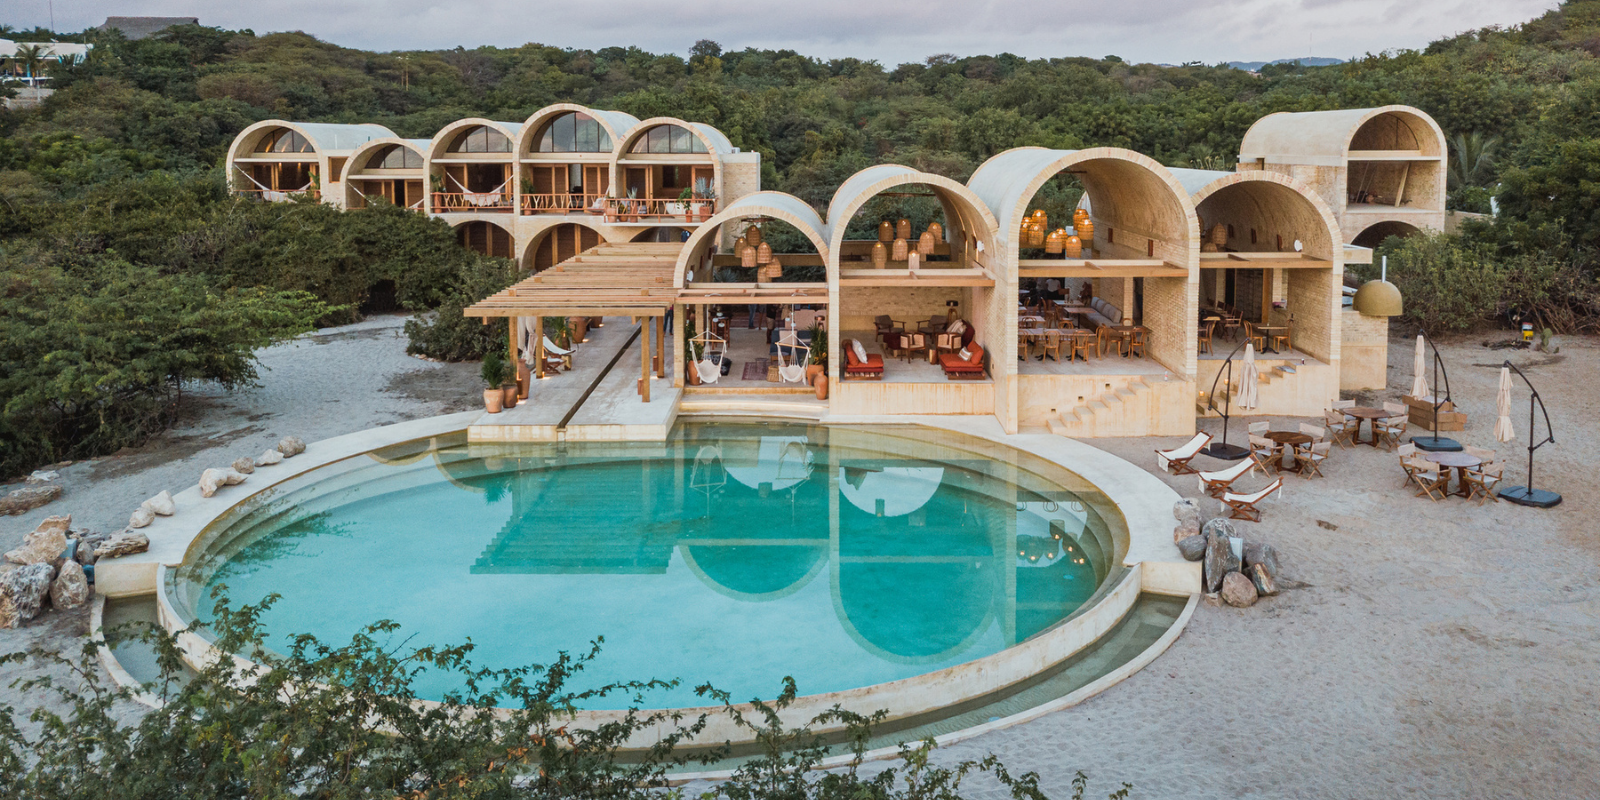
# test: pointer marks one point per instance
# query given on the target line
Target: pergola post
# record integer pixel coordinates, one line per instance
(659, 323)
(538, 346)
(644, 359)
(511, 348)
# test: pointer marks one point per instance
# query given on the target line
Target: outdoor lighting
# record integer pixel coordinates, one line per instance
(1437, 443)
(1378, 298)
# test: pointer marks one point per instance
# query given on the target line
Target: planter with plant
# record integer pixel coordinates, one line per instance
(494, 374)
(696, 350)
(819, 355)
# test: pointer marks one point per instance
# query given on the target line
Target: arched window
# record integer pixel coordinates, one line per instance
(480, 139)
(574, 132)
(395, 157)
(668, 139)
(284, 140)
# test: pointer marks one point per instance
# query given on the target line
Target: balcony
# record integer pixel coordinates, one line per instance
(280, 196)
(658, 211)
(472, 202)
(564, 203)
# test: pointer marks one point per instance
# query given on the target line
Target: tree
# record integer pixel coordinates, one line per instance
(31, 57)
(1472, 158)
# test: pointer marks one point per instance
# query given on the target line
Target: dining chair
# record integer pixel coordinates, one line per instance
(1051, 345)
(1082, 342)
(1284, 337)
(1136, 343)
(1206, 329)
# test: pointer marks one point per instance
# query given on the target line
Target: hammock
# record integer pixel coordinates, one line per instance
(708, 368)
(271, 194)
(493, 197)
(794, 371)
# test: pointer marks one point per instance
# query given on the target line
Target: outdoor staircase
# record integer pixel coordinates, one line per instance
(1121, 411)
(789, 406)
(1268, 377)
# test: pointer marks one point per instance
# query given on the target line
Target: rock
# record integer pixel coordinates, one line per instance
(70, 589)
(211, 480)
(87, 541)
(1187, 511)
(1237, 590)
(291, 446)
(124, 543)
(43, 476)
(85, 553)
(22, 593)
(1219, 526)
(1193, 548)
(28, 498)
(1263, 554)
(1185, 530)
(45, 544)
(1263, 581)
(141, 517)
(244, 464)
(161, 504)
(1219, 561)
(269, 458)
(232, 477)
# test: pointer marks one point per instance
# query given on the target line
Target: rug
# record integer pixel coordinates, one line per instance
(755, 370)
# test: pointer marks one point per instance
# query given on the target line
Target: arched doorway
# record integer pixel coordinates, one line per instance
(1374, 234)
(486, 239)
(560, 243)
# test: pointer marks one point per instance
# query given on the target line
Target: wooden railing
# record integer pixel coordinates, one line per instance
(276, 196)
(472, 202)
(625, 209)
(563, 203)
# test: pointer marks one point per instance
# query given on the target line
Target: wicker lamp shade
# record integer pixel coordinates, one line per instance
(770, 271)
(937, 230)
(880, 255)
(763, 253)
(926, 243)
(1085, 228)
(747, 256)
(1219, 235)
(739, 244)
(1071, 246)
(885, 231)
(1036, 234)
(752, 234)
(902, 229)
(900, 250)
(1079, 215)
(1052, 243)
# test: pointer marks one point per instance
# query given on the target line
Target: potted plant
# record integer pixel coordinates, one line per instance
(703, 210)
(681, 208)
(817, 370)
(494, 374)
(631, 214)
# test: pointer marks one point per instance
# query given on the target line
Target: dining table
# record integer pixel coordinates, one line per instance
(1266, 336)
(1371, 415)
(1460, 461)
(1293, 440)
(1128, 331)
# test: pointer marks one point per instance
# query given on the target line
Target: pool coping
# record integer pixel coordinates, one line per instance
(1154, 566)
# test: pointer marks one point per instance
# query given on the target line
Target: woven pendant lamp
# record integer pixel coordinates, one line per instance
(770, 271)
(880, 255)
(937, 230)
(1036, 231)
(902, 229)
(899, 253)
(1086, 229)
(926, 243)
(764, 253)
(1071, 246)
(1219, 235)
(885, 231)
(747, 256)
(753, 235)
(1079, 215)
(739, 244)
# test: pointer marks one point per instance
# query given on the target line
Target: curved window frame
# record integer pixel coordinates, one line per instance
(573, 132)
(668, 139)
(409, 159)
(479, 139)
(284, 141)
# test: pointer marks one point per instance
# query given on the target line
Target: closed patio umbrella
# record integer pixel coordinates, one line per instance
(1419, 365)
(1503, 432)
(1249, 396)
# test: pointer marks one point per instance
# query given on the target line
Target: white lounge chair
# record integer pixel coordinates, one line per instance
(1243, 506)
(1177, 459)
(1217, 483)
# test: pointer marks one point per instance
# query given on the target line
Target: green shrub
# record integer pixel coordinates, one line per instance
(1448, 284)
(445, 334)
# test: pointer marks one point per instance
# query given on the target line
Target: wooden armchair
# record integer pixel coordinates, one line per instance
(1265, 452)
(858, 368)
(1284, 338)
(1244, 506)
(1313, 459)
(885, 325)
(1389, 429)
(1254, 336)
(1081, 344)
(1136, 343)
(1207, 328)
(1050, 345)
(1341, 428)
(955, 367)
(1481, 481)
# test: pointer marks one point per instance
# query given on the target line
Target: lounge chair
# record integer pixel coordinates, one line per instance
(1218, 483)
(1243, 506)
(861, 365)
(1177, 459)
(1429, 479)
(966, 364)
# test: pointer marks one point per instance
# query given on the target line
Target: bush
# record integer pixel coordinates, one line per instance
(1448, 284)
(447, 335)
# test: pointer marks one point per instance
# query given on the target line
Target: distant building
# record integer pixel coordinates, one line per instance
(15, 66)
(145, 27)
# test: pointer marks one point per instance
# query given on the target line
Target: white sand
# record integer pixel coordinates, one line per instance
(1423, 649)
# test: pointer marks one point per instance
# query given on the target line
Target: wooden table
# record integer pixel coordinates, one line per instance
(1266, 336)
(1293, 439)
(1461, 461)
(1372, 415)
(1129, 330)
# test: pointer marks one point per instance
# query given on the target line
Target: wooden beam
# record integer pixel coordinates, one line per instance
(916, 281)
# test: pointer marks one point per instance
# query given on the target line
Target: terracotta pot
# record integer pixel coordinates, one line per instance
(508, 395)
(491, 400)
(821, 382)
(812, 371)
(692, 373)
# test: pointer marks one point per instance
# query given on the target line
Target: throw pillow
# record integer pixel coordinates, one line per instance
(966, 355)
(861, 352)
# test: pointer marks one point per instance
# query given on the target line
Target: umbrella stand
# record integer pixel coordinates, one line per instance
(1223, 450)
(1437, 443)
(1527, 495)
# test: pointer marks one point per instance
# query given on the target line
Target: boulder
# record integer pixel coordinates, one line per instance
(1184, 530)
(28, 498)
(1219, 561)
(1187, 510)
(269, 458)
(161, 504)
(291, 446)
(1263, 554)
(43, 476)
(124, 543)
(70, 589)
(1238, 591)
(1193, 548)
(213, 479)
(1219, 527)
(244, 464)
(87, 541)
(1263, 581)
(22, 593)
(231, 477)
(45, 544)
(141, 517)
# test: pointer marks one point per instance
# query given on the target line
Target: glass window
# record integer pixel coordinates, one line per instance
(395, 157)
(481, 139)
(574, 132)
(284, 140)
(669, 139)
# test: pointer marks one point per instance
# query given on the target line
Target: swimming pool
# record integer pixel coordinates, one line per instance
(734, 554)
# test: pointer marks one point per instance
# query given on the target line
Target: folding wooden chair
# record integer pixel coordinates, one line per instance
(1260, 428)
(1389, 429)
(1218, 483)
(1265, 452)
(1406, 452)
(1243, 506)
(1341, 428)
(1312, 460)
(1177, 459)
(1430, 479)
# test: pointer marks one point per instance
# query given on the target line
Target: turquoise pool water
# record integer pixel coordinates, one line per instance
(734, 554)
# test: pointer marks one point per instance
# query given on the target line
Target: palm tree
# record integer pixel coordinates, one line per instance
(1472, 158)
(31, 57)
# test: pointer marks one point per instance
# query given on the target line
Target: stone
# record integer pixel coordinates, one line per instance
(123, 543)
(1219, 527)
(1185, 530)
(211, 480)
(26, 499)
(1263, 581)
(161, 504)
(269, 458)
(43, 476)
(291, 446)
(244, 464)
(1193, 548)
(22, 593)
(232, 477)
(45, 544)
(1238, 591)
(87, 541)
(85, 553)
(1219, 561)
(141, 517)
(1263, 554)
(70, 589)
(1187, 511)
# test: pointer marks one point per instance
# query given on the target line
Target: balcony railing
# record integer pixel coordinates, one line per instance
(277, 196)
(472, 202)
(625, 209)
(563, 203)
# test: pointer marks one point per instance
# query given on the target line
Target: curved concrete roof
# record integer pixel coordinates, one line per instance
(717, 144)
(511, 130)
(418, 146)
(777, 205)
(1193, 180)
(1324, 137)
(864, 185)
(324, 137)
(616, 123)
(1276, 200)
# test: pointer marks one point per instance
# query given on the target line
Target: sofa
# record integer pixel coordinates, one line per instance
(958, 368)
(1103, 314)
(856, 368)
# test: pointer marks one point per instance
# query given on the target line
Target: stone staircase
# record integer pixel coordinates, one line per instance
(789, 406)
(1268, 378)
(1121, 411)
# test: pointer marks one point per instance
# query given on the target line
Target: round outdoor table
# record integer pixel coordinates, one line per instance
(1461, 461)
(1130, 330)
(1293, 439)
(1266, 339)
(1372, 415)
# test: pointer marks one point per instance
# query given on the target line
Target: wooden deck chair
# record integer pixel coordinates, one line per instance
(1481, 482)
(1177, 459)
(1218, 483)
(1389, 429)
(1265, 452)
(1429, 479)
(1243, 506)
(556, 353)
(1341, 428)
(1314, 458)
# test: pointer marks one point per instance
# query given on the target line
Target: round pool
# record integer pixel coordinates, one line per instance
(733, 554)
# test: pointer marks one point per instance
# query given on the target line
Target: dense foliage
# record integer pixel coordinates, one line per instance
(327, 721)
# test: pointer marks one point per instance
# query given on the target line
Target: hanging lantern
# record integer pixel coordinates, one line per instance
(937, 230)
(753, 235)
(764, 253)
(885, 231)
(880, 254)
(1071, 246)
(1036, 234)
(739, 244)
(770, 271)
(1079, 215)
(926, 243)
(1086, 230)
(902, 229)
(913, 260)
(1219, 235)
(747, 256)
(899, 253)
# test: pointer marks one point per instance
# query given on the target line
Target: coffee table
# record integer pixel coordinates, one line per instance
(1372, 415)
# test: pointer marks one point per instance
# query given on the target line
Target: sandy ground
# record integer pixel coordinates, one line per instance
(1422, 650)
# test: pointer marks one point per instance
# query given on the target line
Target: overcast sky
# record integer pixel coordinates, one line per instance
(890, 31)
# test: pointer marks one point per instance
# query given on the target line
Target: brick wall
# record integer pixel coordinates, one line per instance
(1310, 297)
(859, 305)
(1363, 351)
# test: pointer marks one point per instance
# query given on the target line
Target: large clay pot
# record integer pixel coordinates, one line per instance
(821, 382)
(812, 371)
(508, 394)
(491, 400)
